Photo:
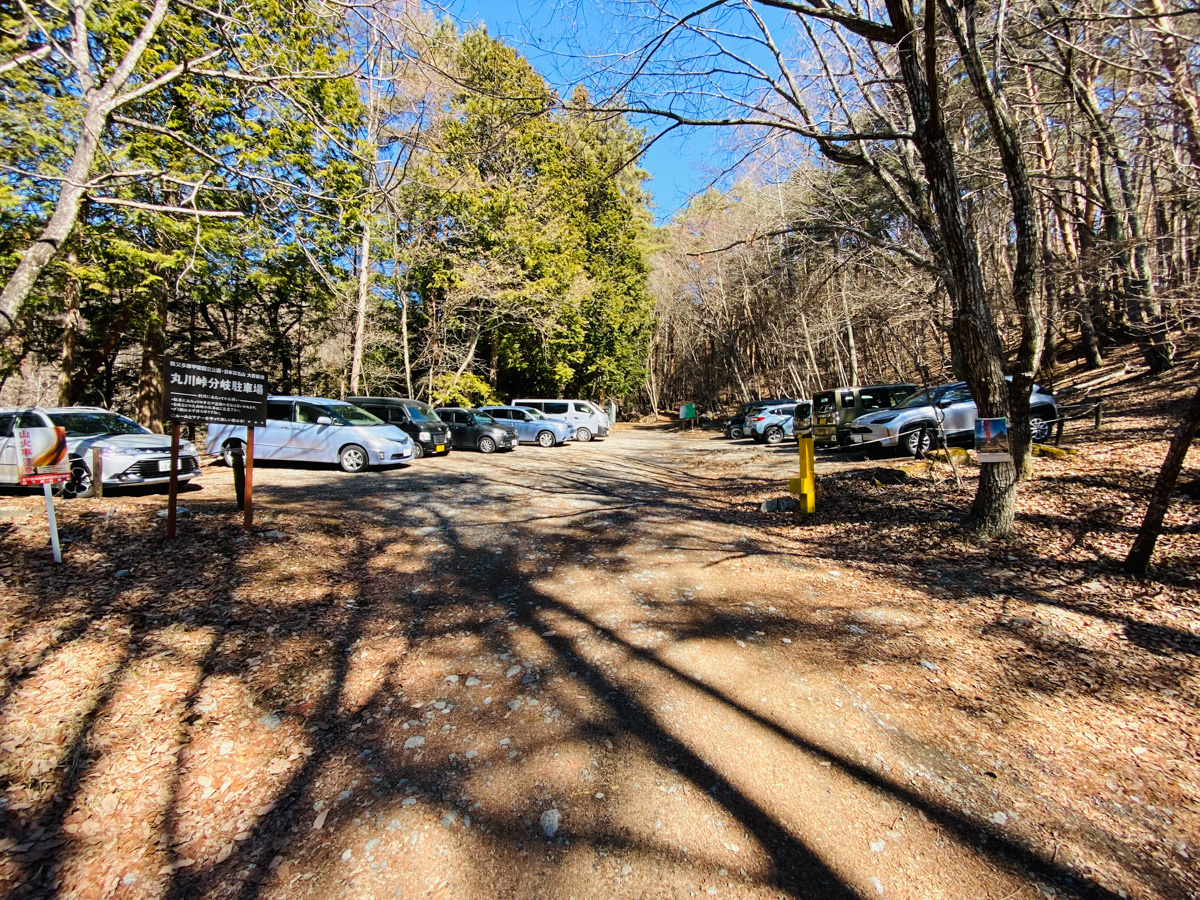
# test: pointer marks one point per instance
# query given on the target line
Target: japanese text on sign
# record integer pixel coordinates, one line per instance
(204, 392)
(43, 455)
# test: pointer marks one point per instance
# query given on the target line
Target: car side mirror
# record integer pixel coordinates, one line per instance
(324, 420)
(945, 403)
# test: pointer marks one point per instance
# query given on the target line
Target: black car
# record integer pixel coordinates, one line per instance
(418, 420)
(736, 428)
(471, 429)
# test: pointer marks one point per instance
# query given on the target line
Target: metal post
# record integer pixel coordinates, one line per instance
(248, 518)
(173, 490)
(97, 472)
(806, 485)
(53, 523)
(1058, 430)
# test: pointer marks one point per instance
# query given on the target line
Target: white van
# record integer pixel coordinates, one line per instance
(588, 418)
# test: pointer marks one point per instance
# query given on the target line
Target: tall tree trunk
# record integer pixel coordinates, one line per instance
(360, 318)
(150, 384)
(72, 321)
(1147, 536)
(851, 349)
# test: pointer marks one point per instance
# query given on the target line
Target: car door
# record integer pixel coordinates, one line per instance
(558, 409)
(312, 441)
(8, 449)
(271, 440)
(957, 411)
(461, 427)
(527, 429)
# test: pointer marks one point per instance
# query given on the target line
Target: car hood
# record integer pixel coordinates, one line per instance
(379, 433)
(161, 442)
(872, 417)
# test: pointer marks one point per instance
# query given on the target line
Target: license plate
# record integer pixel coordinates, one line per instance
(856, 438)
(822, 421)
(164, 465)
(440, 448)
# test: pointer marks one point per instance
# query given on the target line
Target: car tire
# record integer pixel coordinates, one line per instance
(734, 433)
(80, 483)
(545, 438)
(418, 450)
(353, 459)
(1039, 424)
(228, 451)
(487, 445)
(913, 444)
(774, 435)
(583, 434)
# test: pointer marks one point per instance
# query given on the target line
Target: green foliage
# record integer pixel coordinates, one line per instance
(467, 389)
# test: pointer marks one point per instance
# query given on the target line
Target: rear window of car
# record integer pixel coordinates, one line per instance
(281, 412)
(556, 408)
(825, 402)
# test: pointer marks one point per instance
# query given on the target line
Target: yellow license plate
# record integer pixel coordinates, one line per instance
(440, 448)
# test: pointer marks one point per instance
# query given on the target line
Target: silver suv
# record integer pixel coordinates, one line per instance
(913, 424)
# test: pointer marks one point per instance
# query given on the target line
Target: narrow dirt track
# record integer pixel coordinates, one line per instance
(559, 673)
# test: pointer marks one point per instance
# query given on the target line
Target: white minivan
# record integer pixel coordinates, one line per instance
(589, 420)
(316, 429)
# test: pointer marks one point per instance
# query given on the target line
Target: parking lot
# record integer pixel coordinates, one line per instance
(565, 672)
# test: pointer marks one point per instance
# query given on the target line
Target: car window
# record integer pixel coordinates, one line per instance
(31, 420)
(281, 412)
(584, 408)
(307, 413)
(499, 413)
(899, 393)
(461, 418)
(81, 424)
(873, 399)
(847, 399)
(351, 414)
(483, 418)
(6, 426)
(556, 408)
(825, 402)
(955, 395)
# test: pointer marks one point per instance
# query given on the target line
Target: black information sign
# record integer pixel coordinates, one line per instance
(205, 392)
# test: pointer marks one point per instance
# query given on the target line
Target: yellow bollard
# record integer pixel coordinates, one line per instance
(805, 487)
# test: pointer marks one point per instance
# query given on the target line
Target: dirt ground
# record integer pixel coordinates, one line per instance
(601, 671)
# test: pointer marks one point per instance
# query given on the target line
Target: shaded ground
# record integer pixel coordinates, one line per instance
(427, 670)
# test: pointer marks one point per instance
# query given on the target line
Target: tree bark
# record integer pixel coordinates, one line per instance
(72, 322)
(1143, 546)
(150, 384)
(360, 318)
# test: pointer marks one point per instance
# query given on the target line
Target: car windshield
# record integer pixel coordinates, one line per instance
(484, 419)
(917, 400)
(824, 403)
(82, 424)
(533, 413)
(352, 415)
(421, 412)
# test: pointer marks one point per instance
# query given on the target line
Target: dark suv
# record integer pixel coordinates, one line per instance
(736, 427)
(471, 429)
(416, 419)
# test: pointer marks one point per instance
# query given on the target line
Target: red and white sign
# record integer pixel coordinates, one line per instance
(42, 455)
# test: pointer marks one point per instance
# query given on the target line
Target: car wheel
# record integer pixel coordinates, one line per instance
(1039, 427)
(228, 451)
(545, 439)
(774, 435)
(487, 445)
(735, 433)
(80, 483)
(583, 434)
(352, 458)
(917, 442)
(418, 450)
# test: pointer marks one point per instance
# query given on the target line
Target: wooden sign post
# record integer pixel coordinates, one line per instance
(218, 394)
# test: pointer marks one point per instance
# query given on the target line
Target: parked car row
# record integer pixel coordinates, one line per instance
(372, 431)
(883, 416)
(354, 434)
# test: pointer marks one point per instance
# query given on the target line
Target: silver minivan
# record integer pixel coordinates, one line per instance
(587, 418)
(316, 429)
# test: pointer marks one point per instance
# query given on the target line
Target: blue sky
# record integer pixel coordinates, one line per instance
(680, 164)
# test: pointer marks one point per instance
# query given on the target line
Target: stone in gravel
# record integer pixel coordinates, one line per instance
(877, 846)
(769, 506)
(513, 671)
(453, 679)
(180, 511)
(932, 667)
(274, 535)
(514, 705)
(856, 629)
(998, 818)
(877, 884)
(472, 681)
(271, 721)
(550, 820)
(371, 845)
(449, 819)
(345, 795)
(413, 742)
(347, 855)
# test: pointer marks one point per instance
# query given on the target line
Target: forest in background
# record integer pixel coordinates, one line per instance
(365, 199)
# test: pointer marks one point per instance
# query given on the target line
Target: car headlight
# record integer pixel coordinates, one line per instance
(884, 420)
(424, 435)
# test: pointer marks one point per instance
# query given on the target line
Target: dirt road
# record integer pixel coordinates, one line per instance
(567, 673)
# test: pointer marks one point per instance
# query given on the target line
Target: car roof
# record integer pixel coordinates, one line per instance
(55, 409)
(285, 398)
(399, 401)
